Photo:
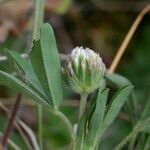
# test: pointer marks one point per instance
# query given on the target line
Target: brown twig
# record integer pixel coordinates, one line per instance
(11, 143)
(127, 39)
(10, 126)
(16, 124)
(24, 130)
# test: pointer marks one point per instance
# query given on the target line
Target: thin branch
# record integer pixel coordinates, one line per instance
(10, 126)
(12, 144)
(30, 134)
(21, 125)
(127, 39)
(23, 135)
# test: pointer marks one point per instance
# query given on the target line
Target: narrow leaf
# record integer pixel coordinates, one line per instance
(93, 101)
(28, 70)
(97, 117)
(51, 63)
(17, 85)
(116, 80)
(45, 60)
(37, 63)
(117, 103)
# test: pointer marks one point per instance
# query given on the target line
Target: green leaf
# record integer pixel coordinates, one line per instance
(29, 72)
(97, 117)
(117, 102)
(17, 85)
(51, 62)
(93, 101)
(116, 80)
(45, 60)
(37, 63)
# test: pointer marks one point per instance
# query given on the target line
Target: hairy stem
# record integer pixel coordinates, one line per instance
(68, 125)
(11, 121)
(80, 128)
(82, 106)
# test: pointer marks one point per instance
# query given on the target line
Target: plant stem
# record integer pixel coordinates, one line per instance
(68, 125)
(11, 121)
(80, 129)
(38, 21)
(40, 126)
(38, 18)
(127, 39)
(82, 106)
(11, 143)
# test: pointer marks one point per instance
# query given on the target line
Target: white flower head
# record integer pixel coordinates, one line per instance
(85, 69)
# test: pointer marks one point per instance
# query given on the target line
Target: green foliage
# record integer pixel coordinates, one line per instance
(37, 63)
(51, 63)
(27, 68)
(116, 80)
(97, 117)
(43, 74)
(138, 128)
(102, 119)
(43, 83)
(117, 102)
(45, 60)
(19, 86)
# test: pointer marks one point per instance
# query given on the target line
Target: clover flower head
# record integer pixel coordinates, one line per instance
(85, 70)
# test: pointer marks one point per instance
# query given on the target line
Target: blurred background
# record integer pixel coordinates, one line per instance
(98, 24)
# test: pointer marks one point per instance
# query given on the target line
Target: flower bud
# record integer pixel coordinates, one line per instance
(85, 70)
